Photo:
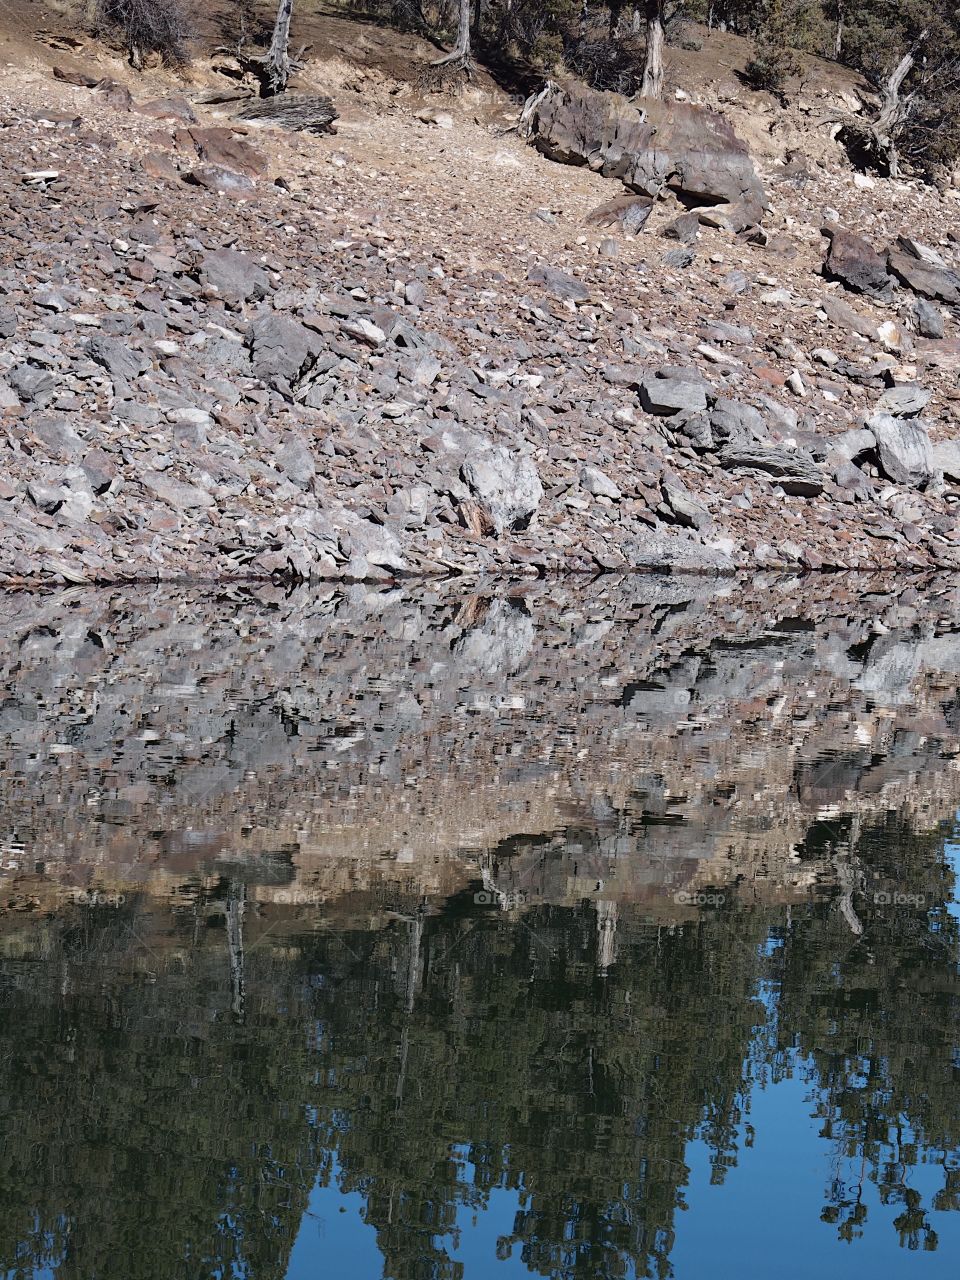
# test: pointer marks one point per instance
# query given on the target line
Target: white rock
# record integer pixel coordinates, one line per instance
(600, 485)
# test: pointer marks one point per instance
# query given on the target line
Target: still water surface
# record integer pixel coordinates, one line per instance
(606, 932)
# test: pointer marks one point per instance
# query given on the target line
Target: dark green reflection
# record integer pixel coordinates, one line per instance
(175, 1080)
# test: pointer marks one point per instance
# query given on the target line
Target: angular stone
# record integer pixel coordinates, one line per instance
(698, 431)
(856, 264)
(922, 252)
(935, 283)
(282, 349)
(216, 177)
(221, 147)
(506, 483)
(686, 509)
(595, 481)
(31, 382)
(364, 331)
(175, 493)
(686, 229)
(904, 401)
(929, 319)
(844, 316)
(688, 148)
(668, 396)
(563, 286)
(738, 422)
(794, 469)
(904, 450)
(851, 444)
(235, 275)
(946, 458)
(853, 481)
(296, 461)
(57, 434)
(679, 259)
(118, 358)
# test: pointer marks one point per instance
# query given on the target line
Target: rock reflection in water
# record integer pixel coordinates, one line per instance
(430, 897)
(652, 734)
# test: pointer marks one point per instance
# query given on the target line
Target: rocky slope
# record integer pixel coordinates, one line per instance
(405, 349)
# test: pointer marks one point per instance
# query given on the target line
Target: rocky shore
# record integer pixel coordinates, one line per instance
(408, 349)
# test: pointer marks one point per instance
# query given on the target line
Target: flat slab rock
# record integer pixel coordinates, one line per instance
(794, 469)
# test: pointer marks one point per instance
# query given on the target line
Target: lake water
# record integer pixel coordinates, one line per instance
(597, 930)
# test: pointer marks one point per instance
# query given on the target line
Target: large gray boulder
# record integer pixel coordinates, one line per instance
(686, 148)
(904, 449)
(946, 458)
(118, 358)
(282, 349)
(235, 275)
(506, 484)
(669, 396)
(856, 264)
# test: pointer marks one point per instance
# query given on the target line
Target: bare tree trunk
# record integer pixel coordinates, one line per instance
(894, 111)
(277, 67)
(460, 54)
(878, 138)
(838, 39)
(652, 84)
(636, 20)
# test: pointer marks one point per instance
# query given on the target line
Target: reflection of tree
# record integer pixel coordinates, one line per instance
(878, 1015)
(180, 1081)
(580, 1092)
(146, 1133)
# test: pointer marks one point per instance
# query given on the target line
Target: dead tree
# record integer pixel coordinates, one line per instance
(278, 66)
(841, 15)
(459, 58)
(878, 139)
(651, 86)
(894, 112)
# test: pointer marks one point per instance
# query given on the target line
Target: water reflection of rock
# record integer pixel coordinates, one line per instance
(611, 741)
